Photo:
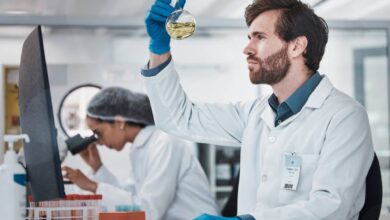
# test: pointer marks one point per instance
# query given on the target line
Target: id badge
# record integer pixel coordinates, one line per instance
(291, 171)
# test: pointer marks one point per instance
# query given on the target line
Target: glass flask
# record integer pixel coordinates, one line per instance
(180, 24)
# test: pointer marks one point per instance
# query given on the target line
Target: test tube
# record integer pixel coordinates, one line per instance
(47, 205)
(61, 212)
(47, 209)
(83, 206)
(92, 204)
(73, 206)
(80, 203)
(42, 215)
(97, 203)
(99, 199)
(68, 201)
(56, 212)
(31, 205)
(75, 201)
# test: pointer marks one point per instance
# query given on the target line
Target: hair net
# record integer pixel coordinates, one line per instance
(116, 101)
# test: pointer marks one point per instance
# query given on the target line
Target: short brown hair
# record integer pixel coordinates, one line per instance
(296, 19)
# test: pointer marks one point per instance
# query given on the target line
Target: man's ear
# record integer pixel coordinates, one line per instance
(120, 121)
(298, 46)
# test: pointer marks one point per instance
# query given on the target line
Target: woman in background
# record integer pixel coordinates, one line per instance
(169, 181)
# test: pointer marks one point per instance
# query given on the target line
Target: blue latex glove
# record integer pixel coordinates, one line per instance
(155, 25)
(213, 217)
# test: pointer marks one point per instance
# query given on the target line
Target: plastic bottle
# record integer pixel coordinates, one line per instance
(12, 182)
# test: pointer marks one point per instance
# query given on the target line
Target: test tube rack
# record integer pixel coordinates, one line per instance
(73, 207)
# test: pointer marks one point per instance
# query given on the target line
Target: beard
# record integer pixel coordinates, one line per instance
(271, 69)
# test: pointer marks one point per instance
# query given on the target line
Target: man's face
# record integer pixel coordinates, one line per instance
(267, 54)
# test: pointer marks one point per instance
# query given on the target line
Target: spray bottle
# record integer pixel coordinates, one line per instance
(12, 182)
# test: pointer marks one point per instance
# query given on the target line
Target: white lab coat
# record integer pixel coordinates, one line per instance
(169, 181)
(331, 134)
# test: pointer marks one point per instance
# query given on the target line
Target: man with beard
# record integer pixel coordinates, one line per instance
(306, 149)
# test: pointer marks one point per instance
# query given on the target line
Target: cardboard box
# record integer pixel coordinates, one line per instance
(122, 216)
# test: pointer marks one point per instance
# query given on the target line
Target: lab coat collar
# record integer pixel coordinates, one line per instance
(268, 115)
(143, 136)
(319, 95)
(316, 99)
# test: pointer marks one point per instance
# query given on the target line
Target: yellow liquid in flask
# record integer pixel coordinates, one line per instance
(180, 30)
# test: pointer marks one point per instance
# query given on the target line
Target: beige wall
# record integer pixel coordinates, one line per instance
(2, 115)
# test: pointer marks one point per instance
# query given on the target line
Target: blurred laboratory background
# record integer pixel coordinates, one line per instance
(92, 44)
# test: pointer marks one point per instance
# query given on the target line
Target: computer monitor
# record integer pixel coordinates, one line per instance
(36, 119)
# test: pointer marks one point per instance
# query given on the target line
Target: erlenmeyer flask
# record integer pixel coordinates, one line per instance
(180, 24)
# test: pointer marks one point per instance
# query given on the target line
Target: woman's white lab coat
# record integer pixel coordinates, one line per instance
(331, 135)
(169, 181)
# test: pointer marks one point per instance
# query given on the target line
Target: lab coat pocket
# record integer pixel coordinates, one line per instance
(307, 169)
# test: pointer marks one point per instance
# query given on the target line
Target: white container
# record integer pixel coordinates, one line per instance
(12, 183)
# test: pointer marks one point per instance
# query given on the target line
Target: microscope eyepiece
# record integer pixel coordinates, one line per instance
(76, 144)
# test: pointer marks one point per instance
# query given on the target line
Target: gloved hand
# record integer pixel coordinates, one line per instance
(155, 25)
(213, 217)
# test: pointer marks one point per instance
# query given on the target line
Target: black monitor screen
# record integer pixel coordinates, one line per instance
(36, 119)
